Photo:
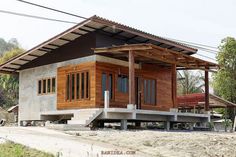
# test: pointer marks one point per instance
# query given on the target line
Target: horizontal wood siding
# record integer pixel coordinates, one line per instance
(61, 86)
(160, 74)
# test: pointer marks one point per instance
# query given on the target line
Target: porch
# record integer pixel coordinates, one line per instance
(149, 56)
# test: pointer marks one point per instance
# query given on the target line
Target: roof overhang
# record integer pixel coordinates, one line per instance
(149, 53)
(92, 24)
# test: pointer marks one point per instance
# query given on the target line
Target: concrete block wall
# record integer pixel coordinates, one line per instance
(30, 103)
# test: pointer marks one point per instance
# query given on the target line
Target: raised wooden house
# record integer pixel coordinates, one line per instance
(68, 75)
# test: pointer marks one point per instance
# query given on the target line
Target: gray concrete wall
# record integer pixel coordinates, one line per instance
(30, 103)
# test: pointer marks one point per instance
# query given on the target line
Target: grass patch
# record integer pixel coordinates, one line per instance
(10, 149)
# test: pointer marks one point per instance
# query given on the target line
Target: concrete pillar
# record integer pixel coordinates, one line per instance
(137, 124)
(101, 124)
(106, 99)
(167, 125)
(123, 124)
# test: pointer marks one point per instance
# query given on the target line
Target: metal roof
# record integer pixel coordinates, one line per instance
(198, 99)
(92, 24)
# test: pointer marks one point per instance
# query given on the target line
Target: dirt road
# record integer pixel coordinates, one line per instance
(59, 143)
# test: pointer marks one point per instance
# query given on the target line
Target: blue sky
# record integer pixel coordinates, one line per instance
(200, 21)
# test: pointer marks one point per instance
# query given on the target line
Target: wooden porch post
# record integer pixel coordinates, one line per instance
(206, 90)
(174, 85)
(131, 78)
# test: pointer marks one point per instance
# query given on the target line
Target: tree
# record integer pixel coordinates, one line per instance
(224, 81)
(8, 46)
(9, 84)
(190, 82)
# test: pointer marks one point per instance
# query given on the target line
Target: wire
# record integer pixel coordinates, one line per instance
(191, 44)
(36, 17)
(56, 10)
(205, 49)
(194, 43)
(206, 56)
(198, 46)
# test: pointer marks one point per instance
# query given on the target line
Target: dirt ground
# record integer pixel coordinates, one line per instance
(168, 144)
(61, 144)
(144, 143)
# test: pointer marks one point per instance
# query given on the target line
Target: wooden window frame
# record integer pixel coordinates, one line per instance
(79, 98)
(52, 85)
(41, 91)
(46, 93)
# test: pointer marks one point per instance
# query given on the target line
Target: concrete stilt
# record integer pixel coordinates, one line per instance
(101, 124)
(137, 124)
(167, 125)
(123, 124)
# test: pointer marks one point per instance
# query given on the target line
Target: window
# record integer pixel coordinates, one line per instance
(107, 84)
(110, 87)
(68, 87)
(77, 86)
(72, 86)
(39, 86)
(150, 91)
(47, 86)
(87, 84)
(104, 82)
(53, 85)
(44, 86)
(82, 85)
(122, 83)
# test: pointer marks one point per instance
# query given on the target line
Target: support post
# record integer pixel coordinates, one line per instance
(167, 125)
(106, 99)
(137, 124)
(206, 90)
(174, 86)
(131, 78)
(123, 124)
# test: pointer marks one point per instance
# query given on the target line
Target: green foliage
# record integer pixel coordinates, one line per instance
(224, 81)
(9, 54)
(190, 82)
(10, 149)
(9, 83)
(211, 125)
(7, 46)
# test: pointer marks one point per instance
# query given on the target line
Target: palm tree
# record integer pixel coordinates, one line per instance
(189, 82)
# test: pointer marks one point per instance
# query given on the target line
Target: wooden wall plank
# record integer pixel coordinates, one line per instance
(163, 78)
(61, 86)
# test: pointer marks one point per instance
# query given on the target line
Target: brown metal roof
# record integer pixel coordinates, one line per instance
(92, 24)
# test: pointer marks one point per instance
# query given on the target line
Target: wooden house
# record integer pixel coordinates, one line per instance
(67, 76)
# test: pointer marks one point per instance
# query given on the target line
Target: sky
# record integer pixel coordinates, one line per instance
(200, 21)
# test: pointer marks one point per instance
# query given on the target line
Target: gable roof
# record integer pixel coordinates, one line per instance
(92, 24)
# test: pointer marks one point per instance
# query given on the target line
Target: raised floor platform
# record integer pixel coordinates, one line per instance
(86, 116)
